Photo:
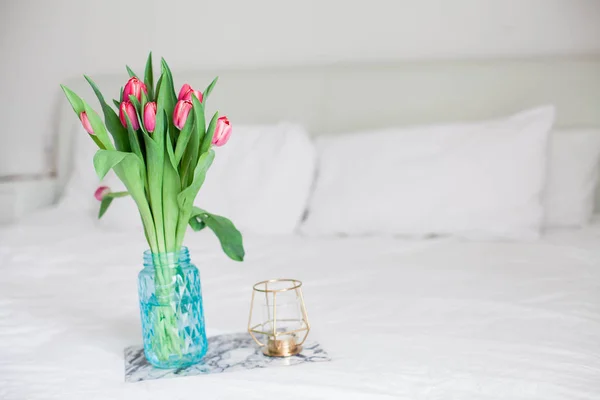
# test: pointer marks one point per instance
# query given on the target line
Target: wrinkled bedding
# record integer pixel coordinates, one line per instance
(403, 319)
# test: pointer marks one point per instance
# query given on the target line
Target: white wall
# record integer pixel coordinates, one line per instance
(44, 42)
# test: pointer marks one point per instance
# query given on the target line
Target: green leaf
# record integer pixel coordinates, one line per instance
(170, 98)
(117, 104)
(192, 151)
(167, 138)
(158, 84)
(186, 165)
(104, 205)
(130, 72)
(185, 199)
(143, 103)
(74, 99)
(107, 200)
(170, 153)
(138, 108)
(155, 156)
(162, 121)
(78, 106)
(113, 124)
(209, 90)
(105, 160)
(196, 224)
(207, 141)
(201, 121)
(187, 196)
(171, 213)
(129, 169)
(136, 103)
(134, 140)
(149, 77)
(98, 142)
(228, 235)
(165, 102)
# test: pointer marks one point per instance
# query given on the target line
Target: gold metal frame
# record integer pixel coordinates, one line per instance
(277, 346)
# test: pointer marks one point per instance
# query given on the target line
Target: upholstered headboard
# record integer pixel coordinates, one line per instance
(340, 98)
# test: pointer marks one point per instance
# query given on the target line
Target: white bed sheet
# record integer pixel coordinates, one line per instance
(432, 319)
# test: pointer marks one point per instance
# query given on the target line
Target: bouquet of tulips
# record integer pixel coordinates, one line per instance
(161, 149)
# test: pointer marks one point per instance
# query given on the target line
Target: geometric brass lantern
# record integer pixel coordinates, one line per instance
(278, 317)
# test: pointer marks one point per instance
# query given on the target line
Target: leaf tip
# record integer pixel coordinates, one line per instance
(65, 89)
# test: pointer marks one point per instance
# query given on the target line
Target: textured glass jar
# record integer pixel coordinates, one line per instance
(171, 310)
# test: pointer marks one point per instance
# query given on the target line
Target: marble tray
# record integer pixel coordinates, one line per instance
(226, 353)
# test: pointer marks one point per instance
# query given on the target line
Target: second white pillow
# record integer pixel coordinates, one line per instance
(477, 180)
(572, 177)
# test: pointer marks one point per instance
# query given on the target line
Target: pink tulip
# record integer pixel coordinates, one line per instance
(150, 116)
(181, 112)
(183, 91)
(134, 87)
(186, 93)
(222, 131)
(129, 109)
(101, 192)
(86, 123)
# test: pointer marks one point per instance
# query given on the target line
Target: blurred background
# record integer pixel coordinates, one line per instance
(44, 43)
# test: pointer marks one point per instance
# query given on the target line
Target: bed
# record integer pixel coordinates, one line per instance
(433, 319)
(441, 318)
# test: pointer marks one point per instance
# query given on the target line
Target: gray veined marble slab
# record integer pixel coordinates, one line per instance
(233, 352)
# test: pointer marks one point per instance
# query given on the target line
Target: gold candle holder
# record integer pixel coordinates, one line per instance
(278, 316)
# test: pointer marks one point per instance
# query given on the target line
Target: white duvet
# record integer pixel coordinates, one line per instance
(433, 319)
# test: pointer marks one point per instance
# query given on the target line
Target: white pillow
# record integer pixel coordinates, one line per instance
(260, 179)
(572, 177)
(478, 180)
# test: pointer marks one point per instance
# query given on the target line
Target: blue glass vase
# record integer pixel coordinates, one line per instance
(171, 310)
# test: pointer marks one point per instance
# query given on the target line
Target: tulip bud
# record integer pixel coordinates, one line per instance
(186, 93)
(134, 87)
(184, 89)
(128, 109)
(150, 116)
(101, 192)
(222, 131)
(181, 112)
(86, 123)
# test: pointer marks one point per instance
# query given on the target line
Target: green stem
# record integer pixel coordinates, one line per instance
(166, 327)
(142, 203)
(154, 183)
(182, 224)
(171, 187)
